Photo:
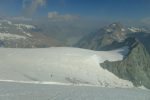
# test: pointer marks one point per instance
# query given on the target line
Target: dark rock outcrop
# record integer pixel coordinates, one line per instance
(134, 67)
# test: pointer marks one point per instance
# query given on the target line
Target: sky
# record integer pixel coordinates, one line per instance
(92, 9)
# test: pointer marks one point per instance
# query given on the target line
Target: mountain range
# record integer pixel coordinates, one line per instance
(18, 35)
(135, 65)
(113, 34)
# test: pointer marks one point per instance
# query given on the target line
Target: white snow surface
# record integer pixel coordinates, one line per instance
(8, 36)
(108, 30)
(136, 29)
(60, 65)
(17, 91)
(20, 26)
(123, 29)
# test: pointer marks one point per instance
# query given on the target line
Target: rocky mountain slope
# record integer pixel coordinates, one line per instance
(110, 36)
(103, 37)
(134, 67)
(18, 35)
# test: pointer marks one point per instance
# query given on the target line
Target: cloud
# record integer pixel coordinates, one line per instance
(30, 6)
(55, 16)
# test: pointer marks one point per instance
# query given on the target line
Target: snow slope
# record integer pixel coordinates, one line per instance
(60, 64)
(16, 91)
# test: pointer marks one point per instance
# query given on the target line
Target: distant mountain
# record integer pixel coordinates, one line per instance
(20, 35)
(112, 37)
(67, 31)
(135, 66)
(105, 36)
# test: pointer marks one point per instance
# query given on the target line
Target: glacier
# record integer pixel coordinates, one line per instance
(60, 64)
(63, 73)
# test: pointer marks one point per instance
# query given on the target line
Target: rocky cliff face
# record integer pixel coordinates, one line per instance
(134, 67)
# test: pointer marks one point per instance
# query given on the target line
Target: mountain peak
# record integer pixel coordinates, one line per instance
(103, 37)
(116, 24)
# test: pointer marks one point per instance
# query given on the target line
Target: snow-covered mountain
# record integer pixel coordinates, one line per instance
(136, 29)
(62, 65)
(62, 73)
(111, 34)
(135, 65)
(103, 37)
(23, 35)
